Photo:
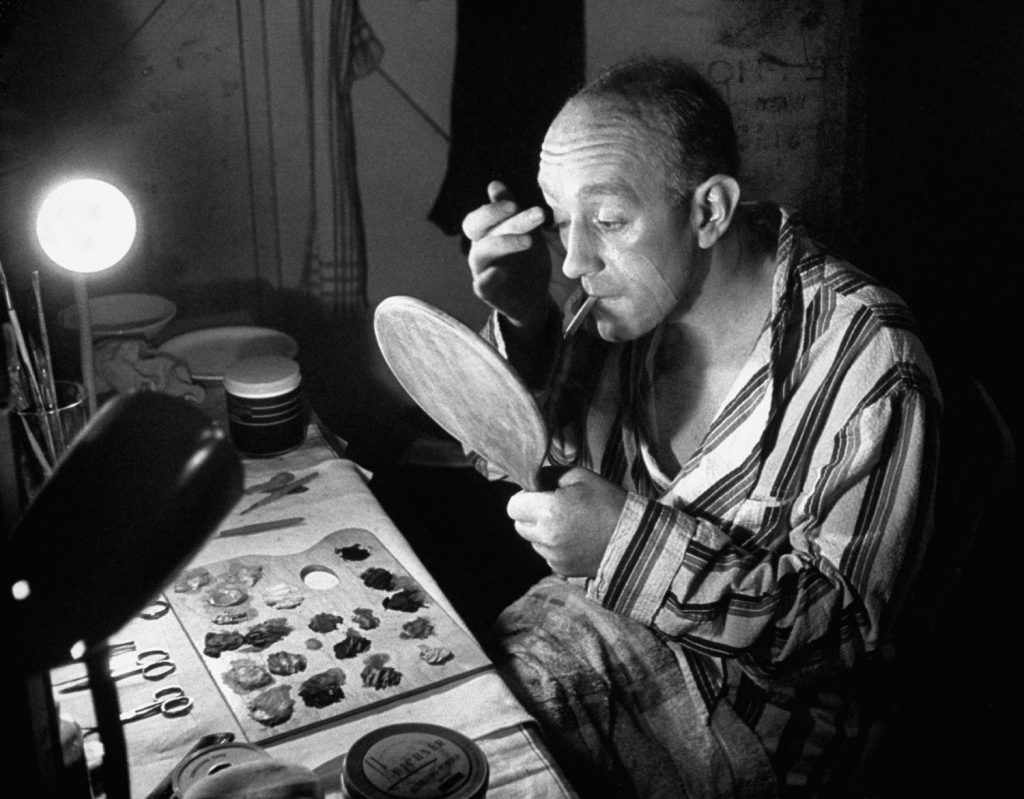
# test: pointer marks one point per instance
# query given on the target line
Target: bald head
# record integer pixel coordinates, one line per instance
(678, 118)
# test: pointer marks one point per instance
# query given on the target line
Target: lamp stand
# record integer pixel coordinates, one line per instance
(85, 341)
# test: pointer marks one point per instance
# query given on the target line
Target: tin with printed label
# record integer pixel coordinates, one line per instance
(425, 761)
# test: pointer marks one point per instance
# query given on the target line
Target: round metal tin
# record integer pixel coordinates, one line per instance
(426, 761)
(211, 760)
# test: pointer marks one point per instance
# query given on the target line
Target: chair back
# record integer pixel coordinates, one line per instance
(977, 460)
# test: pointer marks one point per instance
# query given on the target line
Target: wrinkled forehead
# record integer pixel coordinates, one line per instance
(600, 140)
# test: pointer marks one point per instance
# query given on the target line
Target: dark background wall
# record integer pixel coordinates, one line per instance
(943, 210)
(942, 223)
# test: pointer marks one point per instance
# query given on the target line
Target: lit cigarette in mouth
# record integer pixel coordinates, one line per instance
(581, 314)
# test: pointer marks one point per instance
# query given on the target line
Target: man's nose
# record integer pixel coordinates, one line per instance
(581, 257)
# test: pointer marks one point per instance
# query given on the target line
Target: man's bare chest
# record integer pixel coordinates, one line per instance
(683, 405)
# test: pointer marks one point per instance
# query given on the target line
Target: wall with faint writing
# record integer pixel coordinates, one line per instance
(199, 110)
(787, 69)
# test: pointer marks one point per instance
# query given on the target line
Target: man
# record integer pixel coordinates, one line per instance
(746, 430)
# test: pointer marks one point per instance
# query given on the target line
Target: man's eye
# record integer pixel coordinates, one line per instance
(609, 224)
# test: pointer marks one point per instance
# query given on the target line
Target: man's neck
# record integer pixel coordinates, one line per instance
(734, 299)
(704, 349)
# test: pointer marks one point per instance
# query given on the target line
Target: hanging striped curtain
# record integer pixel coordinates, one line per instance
(337, 279)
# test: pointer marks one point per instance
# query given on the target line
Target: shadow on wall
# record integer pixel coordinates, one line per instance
(107, 90)
(53, 64)
(347, 381)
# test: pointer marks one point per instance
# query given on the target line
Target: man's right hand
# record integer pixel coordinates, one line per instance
(509, 259)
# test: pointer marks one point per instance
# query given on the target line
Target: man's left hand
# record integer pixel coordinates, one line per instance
(570, 526)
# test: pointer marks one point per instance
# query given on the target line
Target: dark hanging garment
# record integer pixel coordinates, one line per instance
(516, 63)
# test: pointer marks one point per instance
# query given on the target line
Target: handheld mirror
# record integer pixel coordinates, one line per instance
(464, 384)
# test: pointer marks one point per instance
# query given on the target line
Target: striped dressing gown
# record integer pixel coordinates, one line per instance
(773, 563)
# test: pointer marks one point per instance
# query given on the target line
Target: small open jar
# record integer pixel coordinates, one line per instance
(267, 414)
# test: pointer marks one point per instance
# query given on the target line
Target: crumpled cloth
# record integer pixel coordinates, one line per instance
(127, 365)
(615, 706)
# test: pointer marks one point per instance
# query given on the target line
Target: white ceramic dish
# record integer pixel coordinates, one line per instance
(122, 315)
(208, 352)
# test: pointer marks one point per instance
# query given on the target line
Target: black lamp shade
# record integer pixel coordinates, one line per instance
(135, 497)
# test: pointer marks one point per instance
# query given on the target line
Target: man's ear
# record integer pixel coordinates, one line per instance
(714, 203)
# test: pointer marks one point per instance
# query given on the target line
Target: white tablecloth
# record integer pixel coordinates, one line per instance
(479, 706)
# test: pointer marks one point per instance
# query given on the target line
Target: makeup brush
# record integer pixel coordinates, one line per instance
(48, 379)
(37, 394)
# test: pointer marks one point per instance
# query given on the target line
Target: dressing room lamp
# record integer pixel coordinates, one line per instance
(85, 225)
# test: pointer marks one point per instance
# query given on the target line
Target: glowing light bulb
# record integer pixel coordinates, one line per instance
(86, 225)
